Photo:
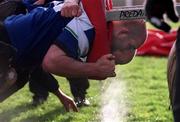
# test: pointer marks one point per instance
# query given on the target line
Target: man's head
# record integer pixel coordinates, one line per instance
(126, 38)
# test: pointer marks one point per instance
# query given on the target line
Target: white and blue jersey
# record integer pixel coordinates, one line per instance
(76, 37)
(32, 34)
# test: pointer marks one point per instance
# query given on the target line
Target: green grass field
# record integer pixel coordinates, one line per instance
(146, 97)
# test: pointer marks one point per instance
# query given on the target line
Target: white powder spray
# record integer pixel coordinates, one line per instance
(114, 107)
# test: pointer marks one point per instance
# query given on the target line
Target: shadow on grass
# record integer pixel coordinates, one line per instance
(49, 116)
(8, 115)
(11, 113)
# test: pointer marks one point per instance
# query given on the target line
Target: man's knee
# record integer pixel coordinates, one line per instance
(47, 63)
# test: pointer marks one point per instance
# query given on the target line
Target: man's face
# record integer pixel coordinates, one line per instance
(127, 37)
(124, 57)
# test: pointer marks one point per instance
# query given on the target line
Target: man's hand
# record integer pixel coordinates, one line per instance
(67, 101)
(58, 63)
(106, 67)
(155, 10)
(71, 8)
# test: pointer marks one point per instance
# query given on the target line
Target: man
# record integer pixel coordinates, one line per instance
(25, 63)
(78, 86)
(155, 10)
(123, 30)
(8, 87)
(41, 12)
(128, 48)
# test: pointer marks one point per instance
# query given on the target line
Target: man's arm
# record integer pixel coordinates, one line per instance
(57, 62)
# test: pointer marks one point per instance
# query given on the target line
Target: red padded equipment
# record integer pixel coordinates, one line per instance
(95, 10)
(158, 43)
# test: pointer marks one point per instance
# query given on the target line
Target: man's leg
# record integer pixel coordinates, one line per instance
(37, 88)
(22, 79)
(176, 101)
(45, 80)
(79, 88)
(50, 84)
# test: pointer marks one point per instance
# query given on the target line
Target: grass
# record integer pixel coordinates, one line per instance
(147, 97)
(147, 90)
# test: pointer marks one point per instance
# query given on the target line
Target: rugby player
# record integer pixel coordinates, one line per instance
(127, 48)
(155, 10)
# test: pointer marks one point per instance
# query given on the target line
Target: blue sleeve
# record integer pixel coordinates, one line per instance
(33, 33)
(68, 43)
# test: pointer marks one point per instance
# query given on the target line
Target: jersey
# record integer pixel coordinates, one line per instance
(76, 38)
(32, 34)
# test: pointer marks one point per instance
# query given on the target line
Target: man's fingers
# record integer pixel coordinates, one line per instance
(113, 62)
(71, 9)
(74, 107)
(76, 11)
(106, 66)
(109, 57)
(66, 12)
(67, 108)
(79, 12)
(113, 74)
(71, 106)
(63, 13)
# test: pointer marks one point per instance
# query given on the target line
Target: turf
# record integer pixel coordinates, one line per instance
(147, 90)
(147, 97)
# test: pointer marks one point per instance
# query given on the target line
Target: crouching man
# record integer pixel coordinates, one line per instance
(30, 37)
